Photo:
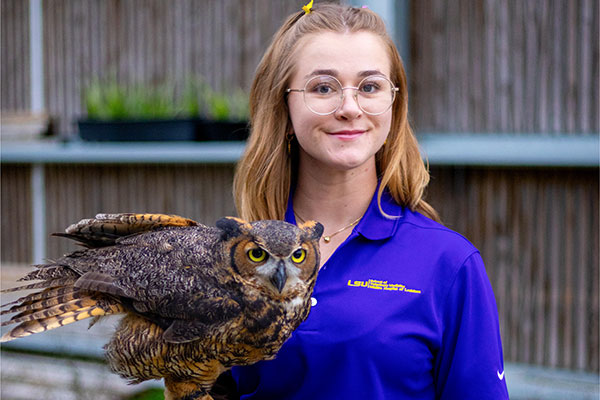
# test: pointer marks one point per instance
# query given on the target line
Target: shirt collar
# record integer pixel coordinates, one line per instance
(373, 225)
(376, 226)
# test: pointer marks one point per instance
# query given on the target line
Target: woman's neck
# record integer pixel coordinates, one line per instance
(335, 198)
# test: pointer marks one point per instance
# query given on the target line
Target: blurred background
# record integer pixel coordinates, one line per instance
(504, 97)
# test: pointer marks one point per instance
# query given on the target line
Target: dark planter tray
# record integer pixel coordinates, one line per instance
(138, 130)
(223, 130)
(162, 130)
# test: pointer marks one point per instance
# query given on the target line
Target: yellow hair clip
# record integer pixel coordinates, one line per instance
(307, 8)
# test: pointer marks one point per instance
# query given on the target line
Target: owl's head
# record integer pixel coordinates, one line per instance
(273, 256)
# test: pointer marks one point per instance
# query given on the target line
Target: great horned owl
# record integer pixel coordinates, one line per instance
(197, 300)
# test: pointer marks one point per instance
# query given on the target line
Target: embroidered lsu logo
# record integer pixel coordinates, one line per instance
(382, 285)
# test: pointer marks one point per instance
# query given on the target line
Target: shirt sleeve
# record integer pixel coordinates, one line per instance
(469, 364)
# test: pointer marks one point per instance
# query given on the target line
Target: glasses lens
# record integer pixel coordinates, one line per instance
(322, 94)
(375, 94)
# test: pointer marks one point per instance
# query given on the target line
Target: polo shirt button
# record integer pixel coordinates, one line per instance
(313, 301)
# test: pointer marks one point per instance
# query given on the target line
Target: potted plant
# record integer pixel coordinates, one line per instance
(138, 113)
(226, 115)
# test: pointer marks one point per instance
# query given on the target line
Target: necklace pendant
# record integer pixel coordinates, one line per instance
(327, 239)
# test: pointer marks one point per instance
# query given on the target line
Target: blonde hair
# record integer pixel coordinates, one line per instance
(265, 173)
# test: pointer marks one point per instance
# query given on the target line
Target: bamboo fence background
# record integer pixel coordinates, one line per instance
(476, 66)
(505, 66)
(14, 53)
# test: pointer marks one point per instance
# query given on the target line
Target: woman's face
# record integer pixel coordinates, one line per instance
(347, 138)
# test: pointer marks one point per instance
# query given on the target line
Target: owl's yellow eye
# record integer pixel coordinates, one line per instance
(257, 255)
(298, 256)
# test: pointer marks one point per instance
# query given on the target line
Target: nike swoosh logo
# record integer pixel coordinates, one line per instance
(500, 375)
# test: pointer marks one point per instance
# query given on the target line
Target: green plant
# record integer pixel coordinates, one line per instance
(107, 100)
(228, 106)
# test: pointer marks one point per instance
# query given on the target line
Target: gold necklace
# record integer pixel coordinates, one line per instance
(327, 238)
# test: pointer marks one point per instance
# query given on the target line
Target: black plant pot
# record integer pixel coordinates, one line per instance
(223, 130)
(138, 130)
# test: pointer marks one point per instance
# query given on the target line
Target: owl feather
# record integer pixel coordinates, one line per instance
(197, 300)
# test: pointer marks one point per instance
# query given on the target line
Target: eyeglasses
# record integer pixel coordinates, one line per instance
(324, 94)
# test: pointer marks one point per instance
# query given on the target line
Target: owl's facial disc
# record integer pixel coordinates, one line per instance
(279, 266)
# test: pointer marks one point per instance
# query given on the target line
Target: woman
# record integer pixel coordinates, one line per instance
(402, 307)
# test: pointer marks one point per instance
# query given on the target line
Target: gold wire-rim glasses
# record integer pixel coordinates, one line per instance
(322, 78)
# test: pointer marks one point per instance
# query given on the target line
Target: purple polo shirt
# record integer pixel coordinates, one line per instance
(402, 310)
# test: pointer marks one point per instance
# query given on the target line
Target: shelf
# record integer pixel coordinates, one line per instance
(518, 150)
(121, 152)
(525, 150)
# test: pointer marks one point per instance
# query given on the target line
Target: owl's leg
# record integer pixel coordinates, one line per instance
(178, 390)
(193, 388)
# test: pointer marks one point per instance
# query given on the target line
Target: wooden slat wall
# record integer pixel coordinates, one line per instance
(15, 213)
(74, 192)
(202, 193)
(538, 234)
(14, 53)
(505, 66)
(152, 41)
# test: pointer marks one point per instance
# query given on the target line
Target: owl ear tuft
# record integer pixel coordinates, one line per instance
(313, 229)
(232, 226)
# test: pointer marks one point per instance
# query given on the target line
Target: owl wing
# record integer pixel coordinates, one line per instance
(171, 276)
(206, 315)
(106, 229)
(174, 277)
(184, 317)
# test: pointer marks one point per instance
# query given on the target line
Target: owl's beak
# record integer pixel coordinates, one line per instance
(279, 276)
